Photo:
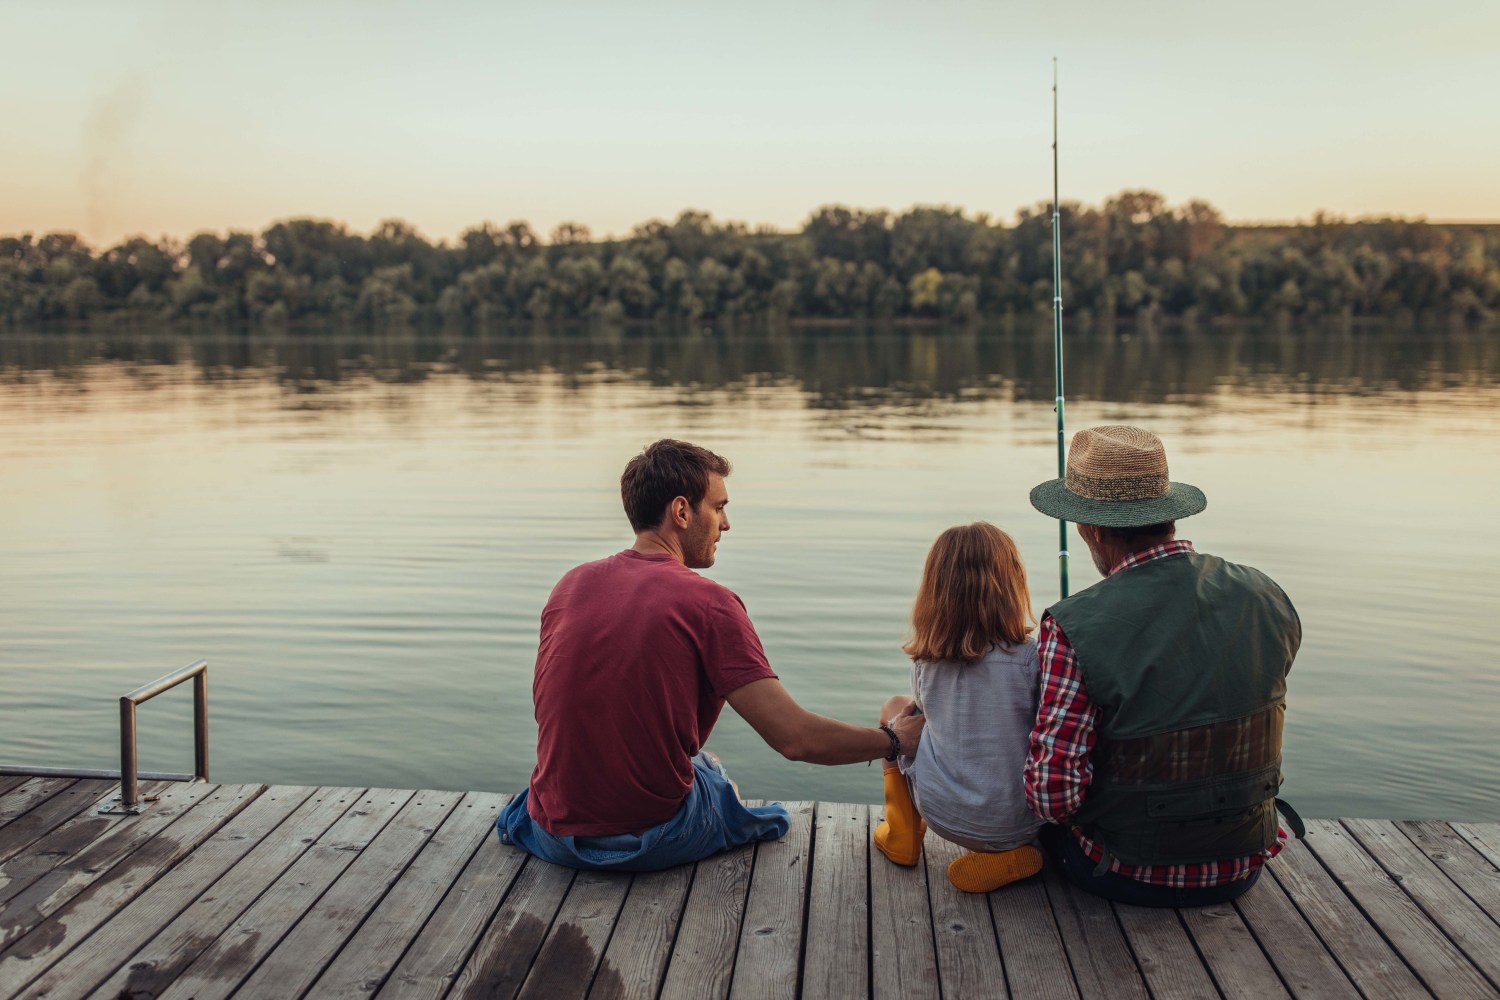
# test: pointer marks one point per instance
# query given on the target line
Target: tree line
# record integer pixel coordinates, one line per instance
(1136, 257)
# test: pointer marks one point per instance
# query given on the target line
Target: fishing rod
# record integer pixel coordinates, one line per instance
(1057, 345)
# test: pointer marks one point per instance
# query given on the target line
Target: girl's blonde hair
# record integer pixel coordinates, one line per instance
(973, 594)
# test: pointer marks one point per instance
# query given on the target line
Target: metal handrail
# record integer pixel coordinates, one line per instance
(129, 780)
(129, 776)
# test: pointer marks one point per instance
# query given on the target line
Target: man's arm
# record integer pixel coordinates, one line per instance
(798, 734)
(1058, 768)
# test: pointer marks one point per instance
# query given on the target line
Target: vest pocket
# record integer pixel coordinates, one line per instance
(1226, 818)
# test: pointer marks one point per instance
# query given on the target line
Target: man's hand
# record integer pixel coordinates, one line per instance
(908, 726)
(798, 734)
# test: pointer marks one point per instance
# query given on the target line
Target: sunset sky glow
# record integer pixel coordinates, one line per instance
(167, 117)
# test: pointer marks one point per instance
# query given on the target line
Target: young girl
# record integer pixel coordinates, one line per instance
(974, 674)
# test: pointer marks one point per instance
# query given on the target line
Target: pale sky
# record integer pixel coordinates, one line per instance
(166, 117)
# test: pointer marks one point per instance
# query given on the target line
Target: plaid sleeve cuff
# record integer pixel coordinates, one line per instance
(1058, 769)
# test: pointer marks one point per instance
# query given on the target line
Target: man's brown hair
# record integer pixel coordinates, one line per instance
(666, 470)
(973, 594)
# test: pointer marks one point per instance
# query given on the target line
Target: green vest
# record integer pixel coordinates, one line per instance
(1186, 659)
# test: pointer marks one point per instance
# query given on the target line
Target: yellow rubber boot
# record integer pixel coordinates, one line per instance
(899, 837)
(976, 871)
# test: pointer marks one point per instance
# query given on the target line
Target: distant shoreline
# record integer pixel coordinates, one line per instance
(1136, 259)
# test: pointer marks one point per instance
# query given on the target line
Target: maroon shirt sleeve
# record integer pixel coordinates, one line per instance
(732, 653)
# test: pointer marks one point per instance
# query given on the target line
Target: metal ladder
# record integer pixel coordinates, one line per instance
(129, 802)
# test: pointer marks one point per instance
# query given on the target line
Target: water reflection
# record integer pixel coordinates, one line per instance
(837, 368)
(359, 529)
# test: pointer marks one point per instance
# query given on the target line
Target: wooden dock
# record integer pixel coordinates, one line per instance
(256, 891)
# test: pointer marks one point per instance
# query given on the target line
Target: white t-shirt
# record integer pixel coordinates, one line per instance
(967, 774)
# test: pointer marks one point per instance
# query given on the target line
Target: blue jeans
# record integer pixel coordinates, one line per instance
(1063, 850)
(711, 819)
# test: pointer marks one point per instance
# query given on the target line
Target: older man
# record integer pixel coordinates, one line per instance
(638, 656)
(1158, 739)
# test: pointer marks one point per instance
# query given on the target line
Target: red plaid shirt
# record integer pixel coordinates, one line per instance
(1058, 769)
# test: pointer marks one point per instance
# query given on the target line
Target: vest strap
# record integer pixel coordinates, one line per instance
(1298, 827)
(1105, 860)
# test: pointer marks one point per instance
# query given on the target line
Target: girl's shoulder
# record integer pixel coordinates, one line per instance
(1026, 650)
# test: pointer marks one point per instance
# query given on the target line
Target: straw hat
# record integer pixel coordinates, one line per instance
(1117, 477)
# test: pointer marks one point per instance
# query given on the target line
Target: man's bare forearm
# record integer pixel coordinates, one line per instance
(798, 734)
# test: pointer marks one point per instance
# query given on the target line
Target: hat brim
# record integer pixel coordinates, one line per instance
(1054, 499)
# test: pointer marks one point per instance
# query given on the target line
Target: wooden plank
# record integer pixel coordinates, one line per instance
(48, 835)
(770, 947)
(1031, 946)
(498, 967)
(636, 959)
(153, 967)
(79, 907)
(10, 782)
(30, 792)
(223, 965)
(902, 957)
(306, 951)
(1375, 968)
(570, 953)
(837, 959)
(1483, 837)
(1441, 965)
(64, 801)
(1165, 953)
(1103, 967)
(1231, 952)
(369, 956)
(1293, 946)
(139, 920)
(120, 863)
(968, 954)
(1465, 924)
(435, 959)
(1467, 867)
(709, 933)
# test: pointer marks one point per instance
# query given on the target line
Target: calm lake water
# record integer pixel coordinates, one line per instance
(359, 531)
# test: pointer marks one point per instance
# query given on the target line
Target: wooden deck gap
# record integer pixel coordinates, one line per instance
(1198, 950)
(1114, 909)
(542, 940)
(807, 871)
(869, 916)
(124, 863)
(614, 925)
(931, 919)
(1318, 931)
(744, 908)
(489, 925)
(312, 904)
(1435, 919)
(271, 882)
(661, 983)
(188, 903)
(437, 824)
(468, 955)
(1250, 928)
(1371, 921)
(437, 908)
(1052, 911)
(1267, 871)
(989, 912)
(1478, 903)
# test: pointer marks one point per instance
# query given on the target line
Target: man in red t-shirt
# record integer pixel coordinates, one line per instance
(638, 656)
